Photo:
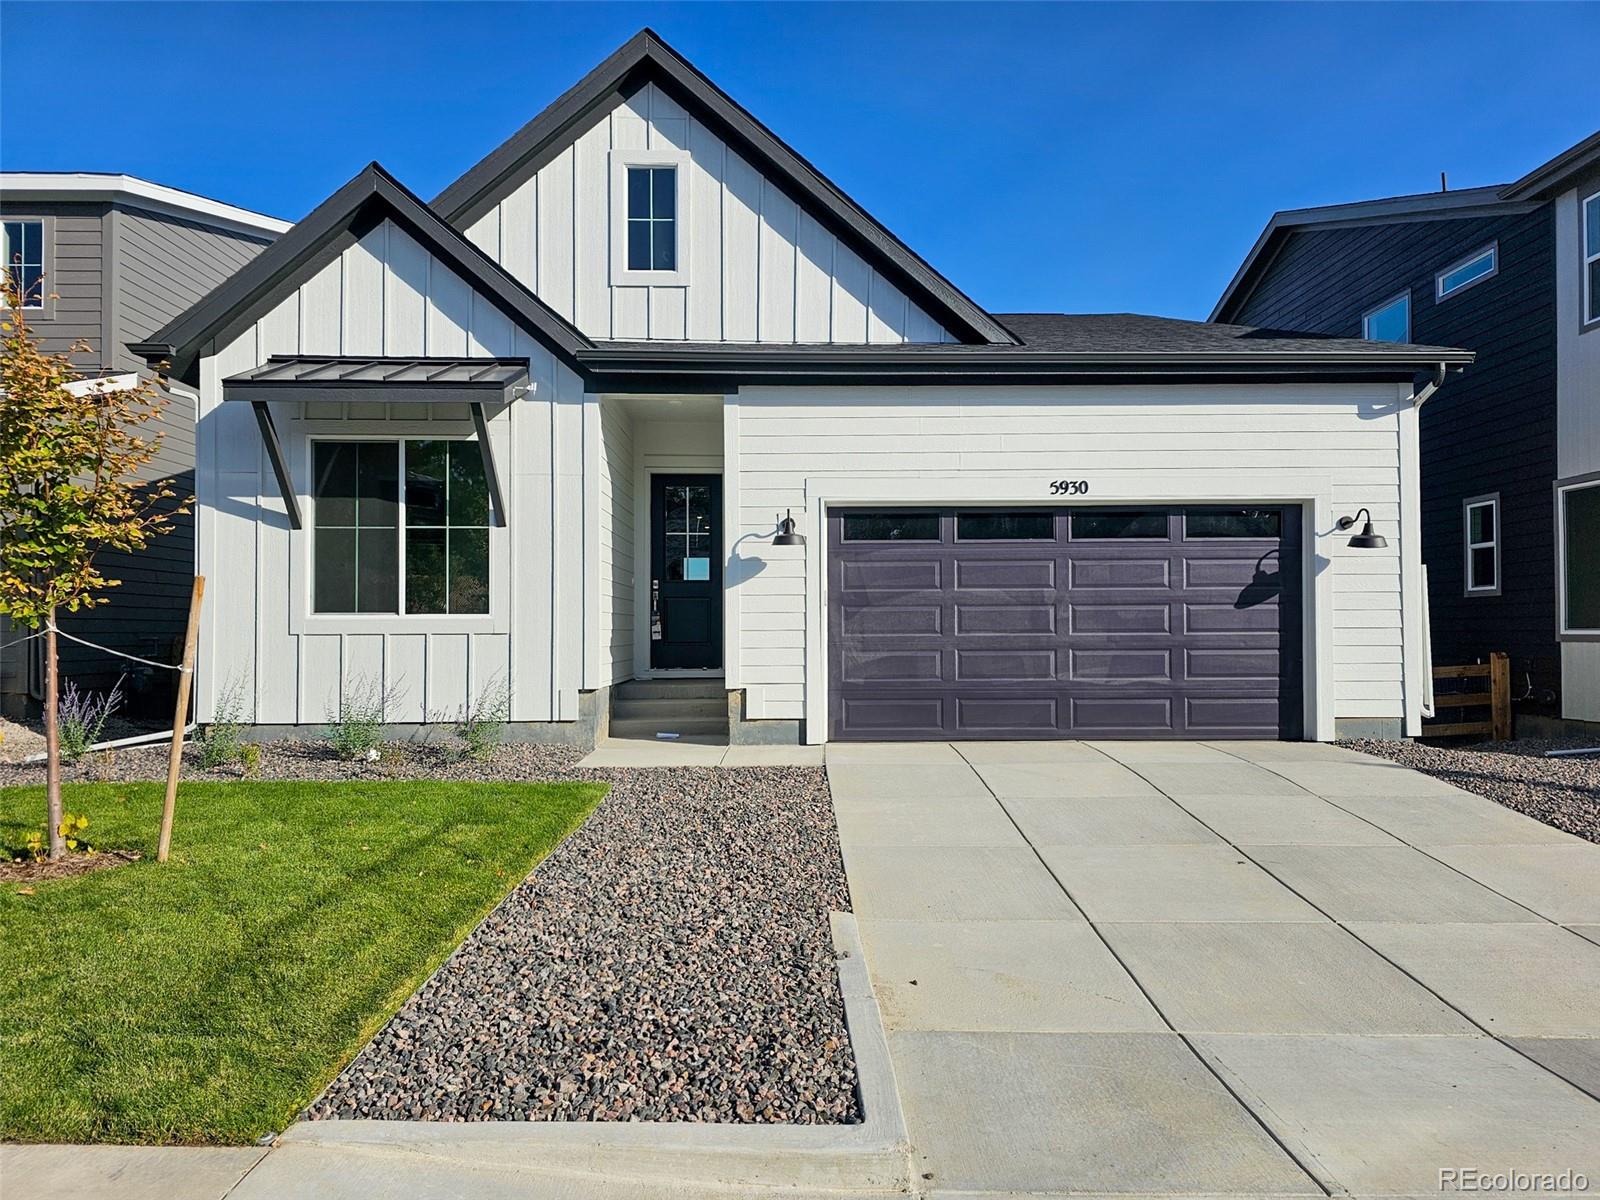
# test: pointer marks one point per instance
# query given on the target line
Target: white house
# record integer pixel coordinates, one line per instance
(547, 434)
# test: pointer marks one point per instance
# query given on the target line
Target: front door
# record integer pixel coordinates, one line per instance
(686, 572)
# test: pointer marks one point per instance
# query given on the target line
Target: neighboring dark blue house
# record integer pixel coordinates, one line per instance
(1511, 449)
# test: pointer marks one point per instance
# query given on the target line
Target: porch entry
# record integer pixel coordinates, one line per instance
(685, 572)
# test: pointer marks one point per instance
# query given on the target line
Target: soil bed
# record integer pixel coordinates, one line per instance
(1562, 792)
(28, 872)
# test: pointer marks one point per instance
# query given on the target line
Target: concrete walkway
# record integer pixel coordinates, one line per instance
(1247, 969)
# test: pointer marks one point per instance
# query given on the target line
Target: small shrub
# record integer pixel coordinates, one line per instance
(72, 830)
(37, 847)
(356, 730)
(81, 717)
(482, 726)
(218, 743)
(250, 758)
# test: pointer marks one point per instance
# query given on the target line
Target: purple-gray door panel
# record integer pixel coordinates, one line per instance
(1060, 637)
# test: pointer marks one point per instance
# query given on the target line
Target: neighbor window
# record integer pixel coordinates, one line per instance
(1091, 524)
(1591, 258)
(360, 561)
(1005, 526)
(1481, 532)
(23, 252)
(1578, 535)
(1471, 270)
(652, 218)
(1390, 321)
(891, 527)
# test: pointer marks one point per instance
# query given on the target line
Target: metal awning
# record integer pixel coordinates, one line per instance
(324, 380)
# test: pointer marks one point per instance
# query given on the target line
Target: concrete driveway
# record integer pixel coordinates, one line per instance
(1238, 968)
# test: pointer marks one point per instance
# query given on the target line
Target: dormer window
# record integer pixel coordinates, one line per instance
(649, 218)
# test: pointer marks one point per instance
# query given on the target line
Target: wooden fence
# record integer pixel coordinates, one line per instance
(1494, 694)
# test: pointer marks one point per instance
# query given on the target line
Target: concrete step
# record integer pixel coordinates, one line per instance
(673, 708)
(664, 689)
(648, 727)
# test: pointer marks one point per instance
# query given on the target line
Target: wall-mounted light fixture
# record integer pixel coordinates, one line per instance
(1368, 538)
(786, 536)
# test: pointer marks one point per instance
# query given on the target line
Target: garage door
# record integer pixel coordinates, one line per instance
(1052, 623)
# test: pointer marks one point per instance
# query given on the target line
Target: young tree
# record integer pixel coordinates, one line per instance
(70, 459)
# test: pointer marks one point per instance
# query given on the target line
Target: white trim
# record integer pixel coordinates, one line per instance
(1491, 501)
(646, 465)
(303, 619)
(102, 384)
(1413, 580)
(1312, 492)
(43, 185)
(1492, 251)
(1563, 629)
(731, 577)
(621, 160)
(1366, 317)
(1591, 303)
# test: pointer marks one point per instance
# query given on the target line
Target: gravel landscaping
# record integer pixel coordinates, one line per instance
(671, 960)
(1562, 792)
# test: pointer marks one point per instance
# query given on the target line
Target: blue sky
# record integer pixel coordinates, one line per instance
(1080, 158)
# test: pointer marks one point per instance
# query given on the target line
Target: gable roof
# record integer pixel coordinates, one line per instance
(647, 58)
(1524, 195)
(359, 206)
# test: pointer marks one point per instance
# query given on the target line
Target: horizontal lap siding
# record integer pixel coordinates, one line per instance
(760, 269)
(1347, 434)
(386, 295)
(1490, 429)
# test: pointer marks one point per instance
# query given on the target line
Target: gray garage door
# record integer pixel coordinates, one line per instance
(1051, 623)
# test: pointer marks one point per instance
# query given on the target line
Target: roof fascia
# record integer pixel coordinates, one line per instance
(647, 58)
(129, 190)
(1549, 179)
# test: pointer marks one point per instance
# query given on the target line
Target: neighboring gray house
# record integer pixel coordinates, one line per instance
(1511, 452)
(643, 417)
(106, 259)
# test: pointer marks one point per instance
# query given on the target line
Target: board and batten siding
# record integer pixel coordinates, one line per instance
(1344, 446)
(617, 529)
(386, 295)
(759, 268)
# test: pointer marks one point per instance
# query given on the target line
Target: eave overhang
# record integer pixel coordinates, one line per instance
(648, 369)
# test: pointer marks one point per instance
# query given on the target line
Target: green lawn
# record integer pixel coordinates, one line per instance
(208, 999)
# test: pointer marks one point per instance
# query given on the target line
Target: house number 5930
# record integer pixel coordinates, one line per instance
(1069, 487)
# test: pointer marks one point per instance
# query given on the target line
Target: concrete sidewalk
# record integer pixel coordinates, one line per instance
(1244, 969)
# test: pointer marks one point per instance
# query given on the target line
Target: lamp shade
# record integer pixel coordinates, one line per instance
(1369, 538)
(786, 536)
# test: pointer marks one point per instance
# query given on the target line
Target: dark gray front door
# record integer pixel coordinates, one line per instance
(685, 571)
(1052, 623)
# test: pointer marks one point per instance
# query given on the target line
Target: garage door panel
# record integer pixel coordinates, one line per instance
(1095, 637)
(978, 574)
(1091, 574)
(1100, 716)
(1010, 666)
(900, 666)
(1120, 664)
(1008, 715)
(860, 619)
(977, 620)
(1120, 618)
